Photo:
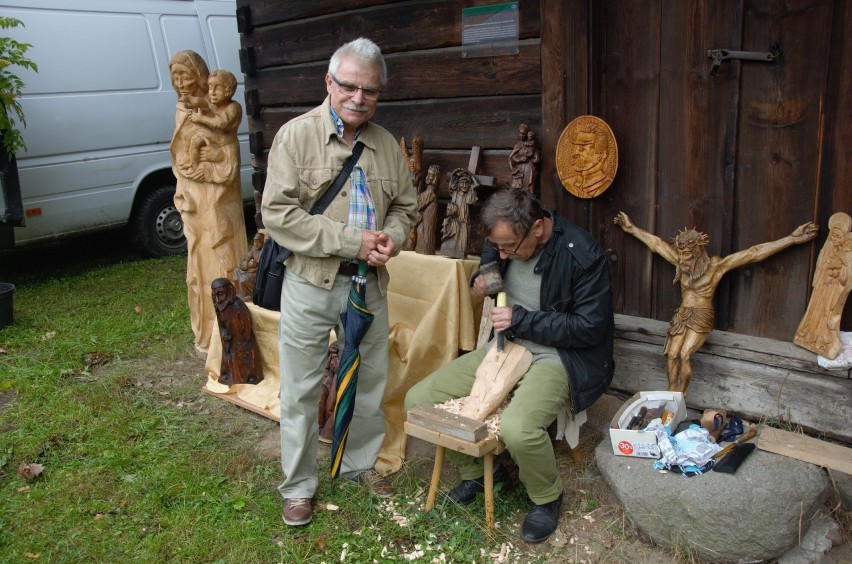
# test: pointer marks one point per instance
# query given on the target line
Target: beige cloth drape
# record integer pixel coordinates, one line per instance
(432, 315)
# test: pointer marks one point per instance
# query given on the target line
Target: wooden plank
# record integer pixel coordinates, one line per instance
(758, 350)
(397, 27)
(265, 12)
(447, 423)
(632, 110)
(491, 123)
(441, 73)
(232, 398)
(808, 449)
(777, 148)
(491, 444)
(835, 175)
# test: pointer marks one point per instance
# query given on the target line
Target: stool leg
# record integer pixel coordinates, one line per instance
(489, 490)
(436, 477)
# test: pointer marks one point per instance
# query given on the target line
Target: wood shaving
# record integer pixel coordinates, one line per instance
(456, 406)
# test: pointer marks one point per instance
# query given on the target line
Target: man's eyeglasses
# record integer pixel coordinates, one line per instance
(350, 89)
(513, 252)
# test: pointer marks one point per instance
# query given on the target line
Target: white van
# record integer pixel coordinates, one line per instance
(100, 113)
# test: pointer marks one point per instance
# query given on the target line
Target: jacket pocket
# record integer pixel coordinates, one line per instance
(313, 182)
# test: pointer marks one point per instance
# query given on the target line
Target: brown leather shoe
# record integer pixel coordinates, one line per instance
(378, 483)
(297, 511)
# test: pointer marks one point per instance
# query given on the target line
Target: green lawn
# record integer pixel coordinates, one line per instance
(100, 386)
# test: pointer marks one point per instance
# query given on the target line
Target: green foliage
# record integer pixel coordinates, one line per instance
(12, 54)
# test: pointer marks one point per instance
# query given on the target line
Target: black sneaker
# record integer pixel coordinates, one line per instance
(466, 491)
(541, 521)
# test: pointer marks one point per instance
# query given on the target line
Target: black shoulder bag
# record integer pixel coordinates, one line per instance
(270, 269)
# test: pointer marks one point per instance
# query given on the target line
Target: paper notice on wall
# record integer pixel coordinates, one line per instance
(489, 31)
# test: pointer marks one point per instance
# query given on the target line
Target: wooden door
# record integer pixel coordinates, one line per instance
(745, 154)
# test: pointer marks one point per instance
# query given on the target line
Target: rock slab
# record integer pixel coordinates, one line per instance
(759, 513)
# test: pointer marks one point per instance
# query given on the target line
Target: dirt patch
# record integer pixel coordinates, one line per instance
(593, 526)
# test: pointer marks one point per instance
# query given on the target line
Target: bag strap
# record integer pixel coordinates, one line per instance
(331, 193)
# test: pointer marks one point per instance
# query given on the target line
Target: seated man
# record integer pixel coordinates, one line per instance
(558, 287)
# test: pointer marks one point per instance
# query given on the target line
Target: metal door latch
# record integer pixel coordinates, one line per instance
(719, 55)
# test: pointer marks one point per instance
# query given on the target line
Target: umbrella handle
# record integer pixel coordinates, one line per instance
(362, 268)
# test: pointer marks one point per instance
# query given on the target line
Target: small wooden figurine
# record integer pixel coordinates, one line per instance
(414, 159)
(245, 274)
(819, 330)
(240, 352)
(524, 160)
(327, 396)
(699, 275)
(455, 230)
(427, 218)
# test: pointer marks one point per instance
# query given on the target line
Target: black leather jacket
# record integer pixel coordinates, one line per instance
(576, 308)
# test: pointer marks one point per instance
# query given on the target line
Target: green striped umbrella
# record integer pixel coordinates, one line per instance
(356, 320)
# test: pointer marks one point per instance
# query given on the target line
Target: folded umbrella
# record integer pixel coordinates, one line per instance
(356, 320)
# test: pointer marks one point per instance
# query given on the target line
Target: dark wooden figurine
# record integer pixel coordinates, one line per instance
(524, 160)
(240, 352)
(329, 390)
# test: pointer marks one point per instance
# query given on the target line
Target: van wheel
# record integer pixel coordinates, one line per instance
(156, 227)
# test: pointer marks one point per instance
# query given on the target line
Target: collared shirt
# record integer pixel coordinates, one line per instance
(362, 211)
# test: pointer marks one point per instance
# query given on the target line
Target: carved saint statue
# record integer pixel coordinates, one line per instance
(455, 230)
(206, 163)
(427, 218)
(240, 352)
(524, 160)
(245, 274)
(699, 275)
(414, 159)
(819, 330)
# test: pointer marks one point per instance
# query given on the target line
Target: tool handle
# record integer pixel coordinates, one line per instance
(501, 339)
(747, 436)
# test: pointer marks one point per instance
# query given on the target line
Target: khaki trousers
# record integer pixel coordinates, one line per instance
(308, 313)
(539, 396)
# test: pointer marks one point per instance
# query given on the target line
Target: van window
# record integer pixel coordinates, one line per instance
(94, 37)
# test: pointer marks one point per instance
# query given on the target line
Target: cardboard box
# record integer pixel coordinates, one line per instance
(626, 442)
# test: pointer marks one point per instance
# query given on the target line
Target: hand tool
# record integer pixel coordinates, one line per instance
(748, 435)
(501, 339)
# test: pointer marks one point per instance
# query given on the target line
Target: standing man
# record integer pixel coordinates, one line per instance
(559, 290)
(369, 220)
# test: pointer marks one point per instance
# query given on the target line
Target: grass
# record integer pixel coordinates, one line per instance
(100, 386)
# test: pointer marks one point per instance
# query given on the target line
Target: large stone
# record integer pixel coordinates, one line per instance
(759, 513)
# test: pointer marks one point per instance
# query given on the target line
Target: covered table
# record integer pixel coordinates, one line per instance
(432, 316)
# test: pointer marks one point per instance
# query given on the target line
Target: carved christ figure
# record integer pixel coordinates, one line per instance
(699, 275)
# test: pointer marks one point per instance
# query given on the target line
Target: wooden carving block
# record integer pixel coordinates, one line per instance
(441, 421)
(496, 376)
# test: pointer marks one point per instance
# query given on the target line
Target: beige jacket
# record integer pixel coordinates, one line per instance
(306, 156)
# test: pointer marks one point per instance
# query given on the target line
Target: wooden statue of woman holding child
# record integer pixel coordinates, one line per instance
(206, 163)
